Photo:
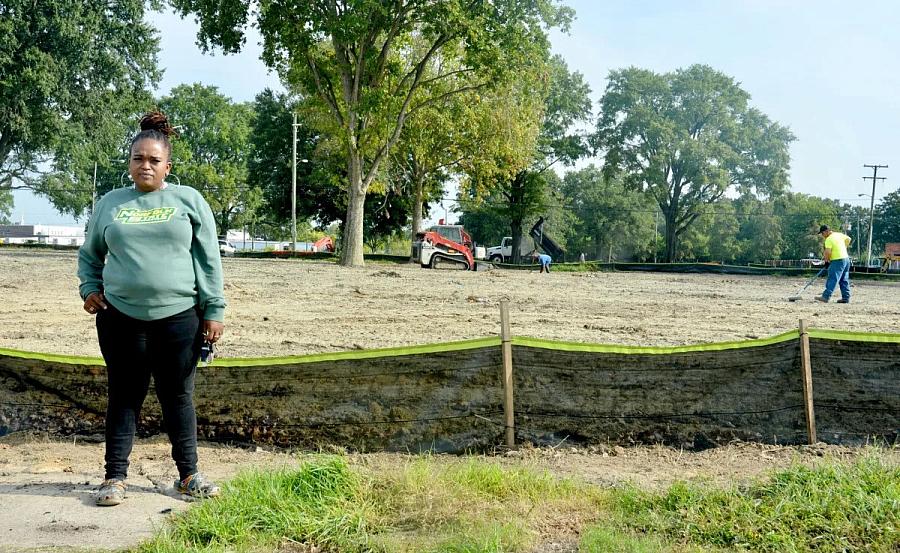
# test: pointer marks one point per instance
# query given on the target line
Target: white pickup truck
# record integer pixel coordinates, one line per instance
(503, 252)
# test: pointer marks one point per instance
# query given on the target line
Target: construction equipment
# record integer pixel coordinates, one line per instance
(324, 244)
(539, 241)
(544, 241)
(813, 279)
(503, 252)
(444, 246)
(891, 256)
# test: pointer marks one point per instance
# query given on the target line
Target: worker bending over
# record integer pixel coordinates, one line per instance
(544, 261)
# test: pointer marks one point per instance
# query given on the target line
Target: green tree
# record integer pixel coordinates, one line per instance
(343, 53)
(887, 222)
(801, 215)
(483, 220)
(211, 151)
(610, 220)
(507, 125)
(559, 106)
(686, 138)
(321, 196)
(269, 164)
(857, 217)
(713, 236)
(6, 206)
(435, 139)
(521, 197)
(760, 233)
(73, 76)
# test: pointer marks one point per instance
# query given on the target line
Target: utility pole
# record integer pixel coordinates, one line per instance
(294, 185)
(875, 178)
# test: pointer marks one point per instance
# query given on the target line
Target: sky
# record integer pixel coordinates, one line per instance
(828, 69)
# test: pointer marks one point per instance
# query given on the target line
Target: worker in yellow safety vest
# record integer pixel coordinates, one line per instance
(838, 262)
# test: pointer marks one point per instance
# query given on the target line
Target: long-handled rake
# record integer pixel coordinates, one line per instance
(813, 279)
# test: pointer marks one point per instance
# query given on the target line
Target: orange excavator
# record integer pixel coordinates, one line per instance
(324, 244)
(444, 247)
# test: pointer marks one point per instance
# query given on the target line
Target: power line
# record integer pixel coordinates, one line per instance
(874, 178)
(764, 210)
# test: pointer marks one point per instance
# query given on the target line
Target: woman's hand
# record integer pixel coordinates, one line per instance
(95, 302)
(212, 331)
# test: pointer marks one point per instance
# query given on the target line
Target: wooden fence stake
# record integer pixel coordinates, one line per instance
(806, 369)
(506, 350)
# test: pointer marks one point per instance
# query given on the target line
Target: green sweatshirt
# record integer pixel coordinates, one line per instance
(153, 254)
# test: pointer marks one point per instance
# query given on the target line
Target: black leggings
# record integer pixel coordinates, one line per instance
(134, 350)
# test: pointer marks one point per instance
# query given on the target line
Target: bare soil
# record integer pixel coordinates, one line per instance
(284, 307)
(288, 307)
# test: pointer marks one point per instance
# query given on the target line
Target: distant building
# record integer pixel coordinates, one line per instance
(61, 235)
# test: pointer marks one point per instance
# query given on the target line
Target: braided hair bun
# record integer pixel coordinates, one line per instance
(156, 125)
(157, 121)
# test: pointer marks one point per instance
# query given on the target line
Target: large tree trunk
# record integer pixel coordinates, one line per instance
(225, 222)
(352, 247)
(417, 209)
(671, 235)
(516, 228)
(515, 198)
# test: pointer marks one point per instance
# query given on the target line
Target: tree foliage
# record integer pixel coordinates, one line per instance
(609, 220)
(760, 230)
(540, 111)
(344, 53)
(6, 206)
(714, 236)
(269, 163)
(437, 138)
(321, 197)
(486, 224)
(73, 76)
(211, 151)
(801, 215)
(887, 222)
(686, 138)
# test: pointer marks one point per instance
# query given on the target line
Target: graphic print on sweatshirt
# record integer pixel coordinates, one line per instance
(132, 216)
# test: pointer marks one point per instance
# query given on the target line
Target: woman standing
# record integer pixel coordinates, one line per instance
(150, 272)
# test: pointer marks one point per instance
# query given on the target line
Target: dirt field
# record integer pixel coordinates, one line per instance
(283, 307)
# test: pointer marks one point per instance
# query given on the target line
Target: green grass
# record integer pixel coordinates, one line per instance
(834, 507)
(468, 505)
(472, 505)
(438, 504)
(317, 503)
(602, 539)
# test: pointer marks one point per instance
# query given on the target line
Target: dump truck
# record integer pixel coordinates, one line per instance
(544, 242)
(503, 252)
(539, 241)
(444, 247)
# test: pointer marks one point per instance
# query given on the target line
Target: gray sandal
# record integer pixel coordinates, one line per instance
(196, 486)
(111, 492)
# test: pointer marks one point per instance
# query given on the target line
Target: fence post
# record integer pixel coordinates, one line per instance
(806, 370)
(506, 350)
